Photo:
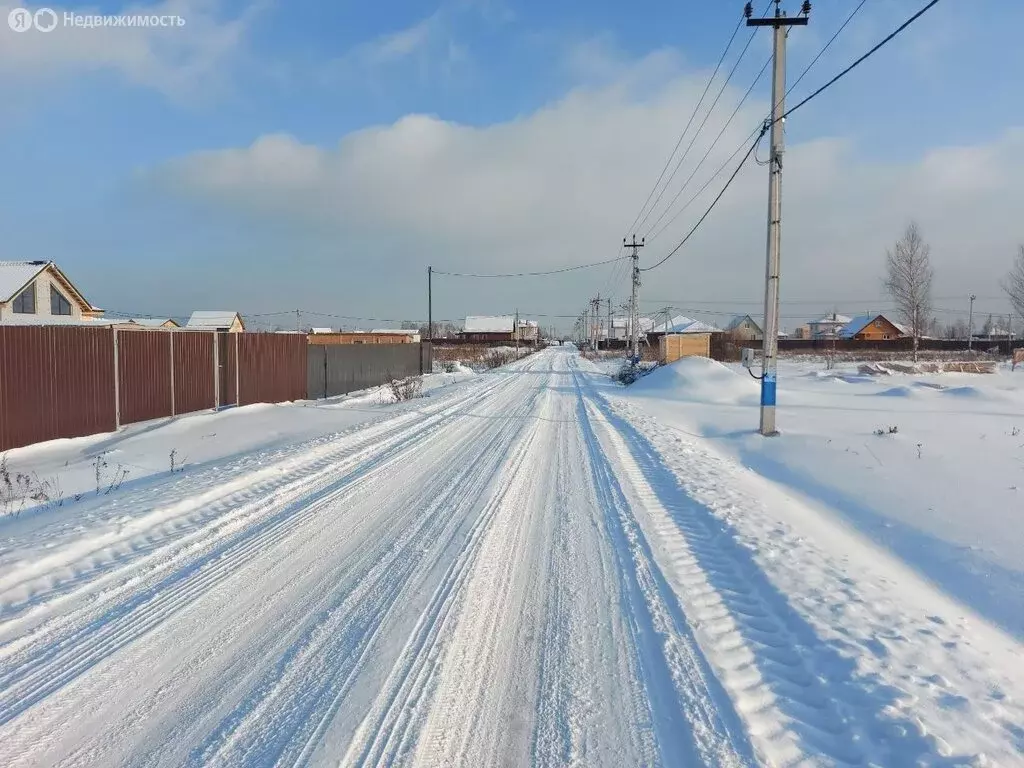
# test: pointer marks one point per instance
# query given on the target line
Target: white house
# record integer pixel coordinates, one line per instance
(829, 326)
(39, 293)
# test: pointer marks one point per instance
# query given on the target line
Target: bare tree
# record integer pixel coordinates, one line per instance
(1013, 283)
(909, 281)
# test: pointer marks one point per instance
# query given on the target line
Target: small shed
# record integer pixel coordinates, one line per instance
(215, 320)
(674, 346)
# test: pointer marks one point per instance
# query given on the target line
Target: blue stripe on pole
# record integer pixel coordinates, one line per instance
(768, 389)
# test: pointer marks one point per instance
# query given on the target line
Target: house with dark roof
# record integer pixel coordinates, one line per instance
(745, 328)
(39, 293)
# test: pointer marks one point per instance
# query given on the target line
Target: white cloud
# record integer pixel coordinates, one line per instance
(176, 60)
(556, 187)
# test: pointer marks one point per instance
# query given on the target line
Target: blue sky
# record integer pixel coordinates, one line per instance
(129, 157)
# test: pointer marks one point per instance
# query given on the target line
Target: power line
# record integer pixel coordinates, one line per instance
(689, 122)
(735, 111)
(859, 61)
(693, 138)
(707, 153)
(710, 207)
(532, 274)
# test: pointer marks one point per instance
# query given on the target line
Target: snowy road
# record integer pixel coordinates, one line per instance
(508, 575)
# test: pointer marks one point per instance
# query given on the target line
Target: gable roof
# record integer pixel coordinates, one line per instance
(489, 324)
(216, 318)
(859, 323)
(15, 275)
(739, 320)
(681, 324)
(833, 319)
(154, 322)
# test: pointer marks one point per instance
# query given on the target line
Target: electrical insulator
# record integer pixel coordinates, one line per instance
(748, 10)
(805, 9)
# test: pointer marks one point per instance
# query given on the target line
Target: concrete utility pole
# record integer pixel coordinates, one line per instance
(516, 329)
(608, 335)
(633, 320)
(780, 25)
(970, 324)
(430, 303)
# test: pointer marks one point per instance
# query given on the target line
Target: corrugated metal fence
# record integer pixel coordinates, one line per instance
(337, 369)
(66, 381)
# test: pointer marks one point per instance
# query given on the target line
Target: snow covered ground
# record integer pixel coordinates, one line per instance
(533, 566)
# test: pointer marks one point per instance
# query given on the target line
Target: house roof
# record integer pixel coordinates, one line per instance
(153, 322)
(321, 330)
(402, 331)
(859, 323)
(488, 324)
(212, 319)
(737, 321)
(15, 275)
(833, 319)
(679, 324)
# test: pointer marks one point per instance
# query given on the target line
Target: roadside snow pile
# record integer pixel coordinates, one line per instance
(943, 492)
(698, 380)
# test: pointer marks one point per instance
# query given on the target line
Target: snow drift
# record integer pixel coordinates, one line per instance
(699, 380)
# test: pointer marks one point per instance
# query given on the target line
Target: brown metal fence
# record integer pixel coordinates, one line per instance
(55, 382)
(272, 367)
(59, 381)
(144, 364)
(193, 370)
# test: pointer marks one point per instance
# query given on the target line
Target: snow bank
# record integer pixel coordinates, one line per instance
(698, 380)
(944, 493)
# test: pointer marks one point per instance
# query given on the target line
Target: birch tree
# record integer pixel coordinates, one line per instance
(1013, 283)
(909, 281)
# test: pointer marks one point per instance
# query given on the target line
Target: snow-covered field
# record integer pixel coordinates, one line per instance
(532, 566)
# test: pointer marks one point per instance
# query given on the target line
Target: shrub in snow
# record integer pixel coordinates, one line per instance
(406, 389)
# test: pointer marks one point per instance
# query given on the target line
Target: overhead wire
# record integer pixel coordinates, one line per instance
(764, 128)
(531, 274)
(711, 148)
(707, 116)
(689, 122)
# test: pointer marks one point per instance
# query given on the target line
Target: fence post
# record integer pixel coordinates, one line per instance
(117, 385)
(216, 370)
(238, 379)
(171, 338)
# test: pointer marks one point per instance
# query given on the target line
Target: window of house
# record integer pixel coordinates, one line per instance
(58, 304)
(25, 302)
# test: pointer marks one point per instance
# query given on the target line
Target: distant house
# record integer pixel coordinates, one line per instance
(488, 328)
(321, 330)
(155, 322)
(743, 327)
(406, 334)
(215, 320)
(870, 328)
(39, 293)
(677, 324)
(828, 327)
(363, 337)
(529, 331)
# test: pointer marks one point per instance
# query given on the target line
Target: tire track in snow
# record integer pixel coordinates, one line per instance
(59, 657)
(389, 733)
(319, 674)
(97, 561)
(802, 698)
(693, 717)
